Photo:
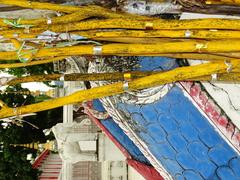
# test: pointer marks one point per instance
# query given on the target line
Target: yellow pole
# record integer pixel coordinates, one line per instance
(68, 18)
(89, 10)
(33, 78)
(214, 24)
(229, 2)
(118, 88)
(189, 34)
(188, 46)
(116, 76)
(226, 77)
(75, 16)
(38, 5)
(111, 35)
(160, 24)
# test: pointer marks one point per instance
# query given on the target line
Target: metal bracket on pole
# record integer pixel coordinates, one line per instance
(97, 50)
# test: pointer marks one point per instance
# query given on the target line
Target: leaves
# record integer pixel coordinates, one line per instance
(13, 162)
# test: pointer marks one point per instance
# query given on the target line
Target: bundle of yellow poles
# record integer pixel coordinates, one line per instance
(123, 34)
(120, 34)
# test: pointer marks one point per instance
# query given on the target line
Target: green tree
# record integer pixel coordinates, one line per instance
(32, 70)
(14, 165)
(13, 162)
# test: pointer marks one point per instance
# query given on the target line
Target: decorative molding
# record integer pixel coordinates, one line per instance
(123, 122)
(214, 113)
(136, 97)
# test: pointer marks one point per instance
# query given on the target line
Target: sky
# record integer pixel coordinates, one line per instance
(35, 86)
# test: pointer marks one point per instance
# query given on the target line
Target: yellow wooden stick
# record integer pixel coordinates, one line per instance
(191, 34)
(189, 46)
(97, 10)
(226, 77)
(92, 11)
(115, 76)
(75, 16)
(38, 5)
(106, 35)
(229, 2)
(187, 25)
(213, 24)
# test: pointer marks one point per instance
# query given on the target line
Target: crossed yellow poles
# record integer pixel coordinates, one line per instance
(195, 38)
(178, 74)
(120, 34)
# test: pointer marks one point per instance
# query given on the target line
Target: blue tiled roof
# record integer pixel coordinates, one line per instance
(120, 136)
(179, 136)
(182, 139)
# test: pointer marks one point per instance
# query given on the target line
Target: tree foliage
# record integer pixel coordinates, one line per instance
(14, 165)
(15, 96)
(31, 70)
(13, 162)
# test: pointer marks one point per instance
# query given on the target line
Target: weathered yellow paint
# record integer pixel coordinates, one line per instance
(226, 77)
(88, 10)
(200, 34)
(202, 56)
(75, 16)
(32, 63)
(16, 43)
(229, 2)
(235, 55)
(68, 18)
(136, 40)
(187, 46)
(224, 24)
(17, 33)
(177, 74)
(125, 20)
(116, 76)
(181, 73)
(38, 5)
(229, 24)
(109, 35)
(160, 24)
(225, 47)
(33, 78)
